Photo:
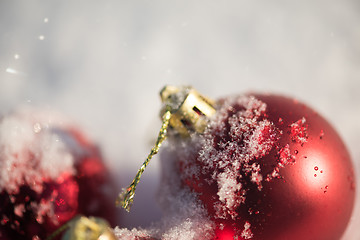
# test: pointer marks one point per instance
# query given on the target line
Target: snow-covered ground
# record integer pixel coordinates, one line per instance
(103, 64)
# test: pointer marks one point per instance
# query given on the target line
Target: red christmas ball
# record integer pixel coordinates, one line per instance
(50, 172)
(270, 167)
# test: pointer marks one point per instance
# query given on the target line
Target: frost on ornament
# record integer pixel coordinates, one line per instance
(230, 155)
(298, 131)
(49, 172)
(30, 155)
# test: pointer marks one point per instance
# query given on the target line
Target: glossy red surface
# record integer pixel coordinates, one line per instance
(313, 196)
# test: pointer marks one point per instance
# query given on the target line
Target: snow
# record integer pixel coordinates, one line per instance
(184, 217)
(299, 131)
(238, 122)
(246, 233)
(32, 150)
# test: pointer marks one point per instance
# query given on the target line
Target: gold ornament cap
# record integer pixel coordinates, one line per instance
(84, 228)
(189, 109)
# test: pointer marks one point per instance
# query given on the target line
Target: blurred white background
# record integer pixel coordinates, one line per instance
(103, 63)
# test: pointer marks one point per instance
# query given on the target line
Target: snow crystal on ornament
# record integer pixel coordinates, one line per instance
(49, 172)
(237, 135)
(246, 233)
(298, 131)
(229, 154)
(27, 155)
(285, 156)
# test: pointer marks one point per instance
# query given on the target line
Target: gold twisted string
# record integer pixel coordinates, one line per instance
(126, 197)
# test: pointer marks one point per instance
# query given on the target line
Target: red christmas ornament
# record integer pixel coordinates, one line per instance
(50, 172)
(270, 167)
(264, 166)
